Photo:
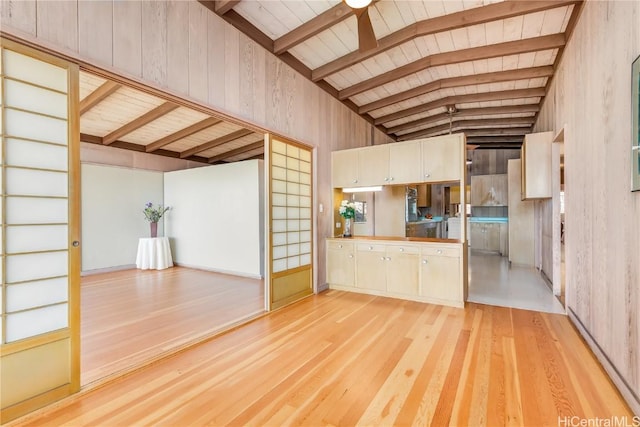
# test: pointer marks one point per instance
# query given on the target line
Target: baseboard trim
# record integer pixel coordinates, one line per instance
(621, 384)
(221, 271)
(107, 270)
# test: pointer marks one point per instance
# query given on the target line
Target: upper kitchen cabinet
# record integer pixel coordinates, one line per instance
(536, 166)
(489, 190)
(344, 168)
(441, 159)
(404, 162)
(373, 165)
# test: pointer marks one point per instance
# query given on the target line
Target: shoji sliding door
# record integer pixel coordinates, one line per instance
(39, 157)
(290, 217)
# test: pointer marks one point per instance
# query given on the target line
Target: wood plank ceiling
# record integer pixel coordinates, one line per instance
(490, 60)
(120, 116)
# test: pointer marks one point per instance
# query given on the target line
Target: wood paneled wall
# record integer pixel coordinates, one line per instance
(590, 97)
(491, 161)
(182, 47)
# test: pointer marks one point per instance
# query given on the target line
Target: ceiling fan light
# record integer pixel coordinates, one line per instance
(357, 4)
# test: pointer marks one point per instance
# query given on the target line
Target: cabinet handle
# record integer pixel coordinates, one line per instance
(388, 258)
(391, 179)
(427, 175)
(401, 249)
(350, 256)
(340, 246)
(370, 248)
(355, 181)
(381, 258)
(386, 179)
(424, 261)
(439, 251)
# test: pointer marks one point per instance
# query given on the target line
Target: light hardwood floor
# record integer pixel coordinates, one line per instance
(131, 316)
(345, 359)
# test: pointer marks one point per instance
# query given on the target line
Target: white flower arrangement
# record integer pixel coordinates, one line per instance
(347, 209)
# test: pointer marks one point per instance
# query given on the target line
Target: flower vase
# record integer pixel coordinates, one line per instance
(154, 229)
(347, 227)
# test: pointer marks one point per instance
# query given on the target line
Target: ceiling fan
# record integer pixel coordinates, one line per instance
(366, 36)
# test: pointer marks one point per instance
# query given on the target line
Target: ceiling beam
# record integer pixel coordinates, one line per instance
(257, 156)
(144, 119)
(215, 142)
(224, 6)
(466, 18)
(183, 133)
(456, 124)
(91, 139)
(495, 139)
(325, 20)
(250, 147)
(488, 111)
(95, 97)
(461, 99)
(474, 79)
(467, 131)
(455, 57)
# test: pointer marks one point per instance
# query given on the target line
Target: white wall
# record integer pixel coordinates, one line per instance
(112, 218)
(216, 217)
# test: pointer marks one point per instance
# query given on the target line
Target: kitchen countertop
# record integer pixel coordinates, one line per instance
(427, 221)
(399, 239)
(488, 219)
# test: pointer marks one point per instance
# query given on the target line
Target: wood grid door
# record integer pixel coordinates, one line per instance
(290, 220)
(40, 273)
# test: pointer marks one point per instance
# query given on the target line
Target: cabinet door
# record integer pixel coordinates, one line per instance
(476, 235)
(536, 165)
(440, 278)
(371, 268)
(504, 239)
(424, 195)
(441, 159)
(403, 270)
(404, 163)
(340, 264)
(373, 165)
(492, 237)
(500, 189)
(344, 168)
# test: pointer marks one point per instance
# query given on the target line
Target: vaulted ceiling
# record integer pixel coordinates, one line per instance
(119, 116)
(490, 62)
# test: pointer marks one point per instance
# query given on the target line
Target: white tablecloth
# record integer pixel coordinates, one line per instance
(154, 254)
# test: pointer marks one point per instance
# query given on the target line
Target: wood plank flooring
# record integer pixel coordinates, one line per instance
(342, 358)
(131, 316)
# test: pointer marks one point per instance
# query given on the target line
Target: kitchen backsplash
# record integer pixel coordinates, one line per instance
(490, 211)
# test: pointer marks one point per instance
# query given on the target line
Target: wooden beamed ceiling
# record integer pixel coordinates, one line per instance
(490, 60)
(123, 117)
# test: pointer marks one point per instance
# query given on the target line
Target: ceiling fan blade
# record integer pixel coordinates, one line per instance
(366, 36)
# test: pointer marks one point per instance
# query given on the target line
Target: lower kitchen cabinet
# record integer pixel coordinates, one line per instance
(428, 272)
(484, 236)
(440, 268)
(341, 263)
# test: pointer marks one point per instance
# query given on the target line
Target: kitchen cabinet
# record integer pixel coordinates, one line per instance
(485, 236)
(441, 159)
(454, 195)
(405, 163)
(440, 276)
(489, 190)
(536, 166)
(424, 195)
(504, 239)
(341, 263)
(521, 220)
(419, 271)
(344, 168)
(373, 165)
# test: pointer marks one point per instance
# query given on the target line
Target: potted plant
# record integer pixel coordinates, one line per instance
(153, 215)
(348, 212)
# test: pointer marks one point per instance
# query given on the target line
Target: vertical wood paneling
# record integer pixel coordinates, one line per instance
(20, 14)
(57, 23)
(602, 240)
(95, 26)
(154, 41)
(216, 60)
(231, 62)
(197, 51)
(178, 46)
(127, 37)
(245, 76)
